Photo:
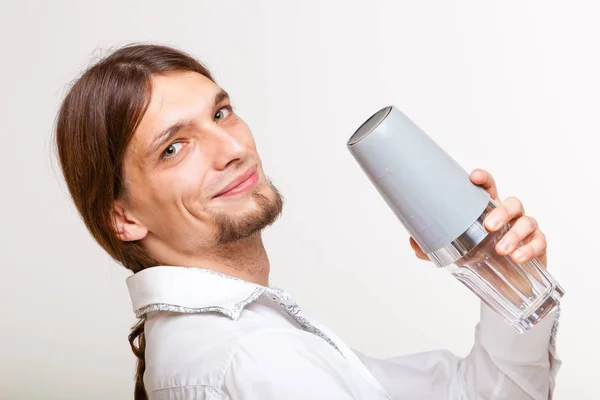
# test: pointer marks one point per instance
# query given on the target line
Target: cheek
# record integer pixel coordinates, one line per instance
(166, 191)
(188, 182)
(173, 201)
(155, 197)
(245, 135)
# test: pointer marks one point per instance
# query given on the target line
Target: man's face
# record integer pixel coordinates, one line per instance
(172, 180)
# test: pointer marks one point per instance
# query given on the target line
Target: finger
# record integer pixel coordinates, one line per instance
(520, 230)
(418, 251)
(484, 179)
(536, 246)
(506, 211)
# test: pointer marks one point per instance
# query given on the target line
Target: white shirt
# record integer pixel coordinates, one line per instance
(211, 336)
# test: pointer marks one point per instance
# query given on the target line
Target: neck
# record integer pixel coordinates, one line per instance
(244, 259)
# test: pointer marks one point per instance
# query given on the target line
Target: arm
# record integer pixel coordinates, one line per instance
(502, 364)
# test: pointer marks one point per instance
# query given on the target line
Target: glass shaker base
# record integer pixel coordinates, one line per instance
(522, 293)
(550, 303)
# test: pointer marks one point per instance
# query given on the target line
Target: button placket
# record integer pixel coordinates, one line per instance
(294, 311)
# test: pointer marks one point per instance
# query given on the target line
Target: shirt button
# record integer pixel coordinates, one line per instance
(275, 297)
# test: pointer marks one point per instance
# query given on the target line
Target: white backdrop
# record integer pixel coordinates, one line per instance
(512, 87)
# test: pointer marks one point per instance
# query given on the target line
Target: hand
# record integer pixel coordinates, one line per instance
(524, 227)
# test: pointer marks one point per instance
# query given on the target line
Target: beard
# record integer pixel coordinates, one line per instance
(230, 229)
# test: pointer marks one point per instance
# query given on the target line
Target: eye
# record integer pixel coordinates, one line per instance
(223, 113)
(172, 150)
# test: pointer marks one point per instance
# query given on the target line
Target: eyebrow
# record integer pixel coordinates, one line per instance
(172, 130)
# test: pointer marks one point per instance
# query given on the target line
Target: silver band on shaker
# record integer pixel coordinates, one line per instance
(470, 238)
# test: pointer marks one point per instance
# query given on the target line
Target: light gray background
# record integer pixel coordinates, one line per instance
(508, 86)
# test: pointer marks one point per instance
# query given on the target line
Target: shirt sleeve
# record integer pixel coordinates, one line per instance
(275, 365)
(502, 364)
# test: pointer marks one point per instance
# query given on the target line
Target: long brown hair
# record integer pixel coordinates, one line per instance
(94, 125)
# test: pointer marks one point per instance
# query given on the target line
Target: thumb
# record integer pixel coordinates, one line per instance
(418, 251)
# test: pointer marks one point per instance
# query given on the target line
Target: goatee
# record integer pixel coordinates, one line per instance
(229, 230)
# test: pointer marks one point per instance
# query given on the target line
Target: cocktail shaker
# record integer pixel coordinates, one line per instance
(434, 198)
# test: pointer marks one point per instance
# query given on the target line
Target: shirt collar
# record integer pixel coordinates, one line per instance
(189, 290)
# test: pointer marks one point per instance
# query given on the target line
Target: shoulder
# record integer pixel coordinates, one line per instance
(275, 363)
(189, 350)
(198, 349)
(210, 352)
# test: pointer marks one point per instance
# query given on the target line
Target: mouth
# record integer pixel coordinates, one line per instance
(241, 184)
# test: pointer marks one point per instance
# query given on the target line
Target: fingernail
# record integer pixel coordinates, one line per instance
(503, 246)
(493, 223)
(519, 255)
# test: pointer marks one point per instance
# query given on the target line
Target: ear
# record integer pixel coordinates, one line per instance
(128, 228)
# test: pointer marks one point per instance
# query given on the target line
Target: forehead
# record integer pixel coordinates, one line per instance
(175, 96)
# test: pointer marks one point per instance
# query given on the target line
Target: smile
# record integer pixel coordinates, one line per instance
(242, 187)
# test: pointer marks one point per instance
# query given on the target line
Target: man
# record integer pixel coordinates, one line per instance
(168, 180)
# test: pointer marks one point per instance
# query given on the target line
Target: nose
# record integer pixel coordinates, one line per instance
(227, 147)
